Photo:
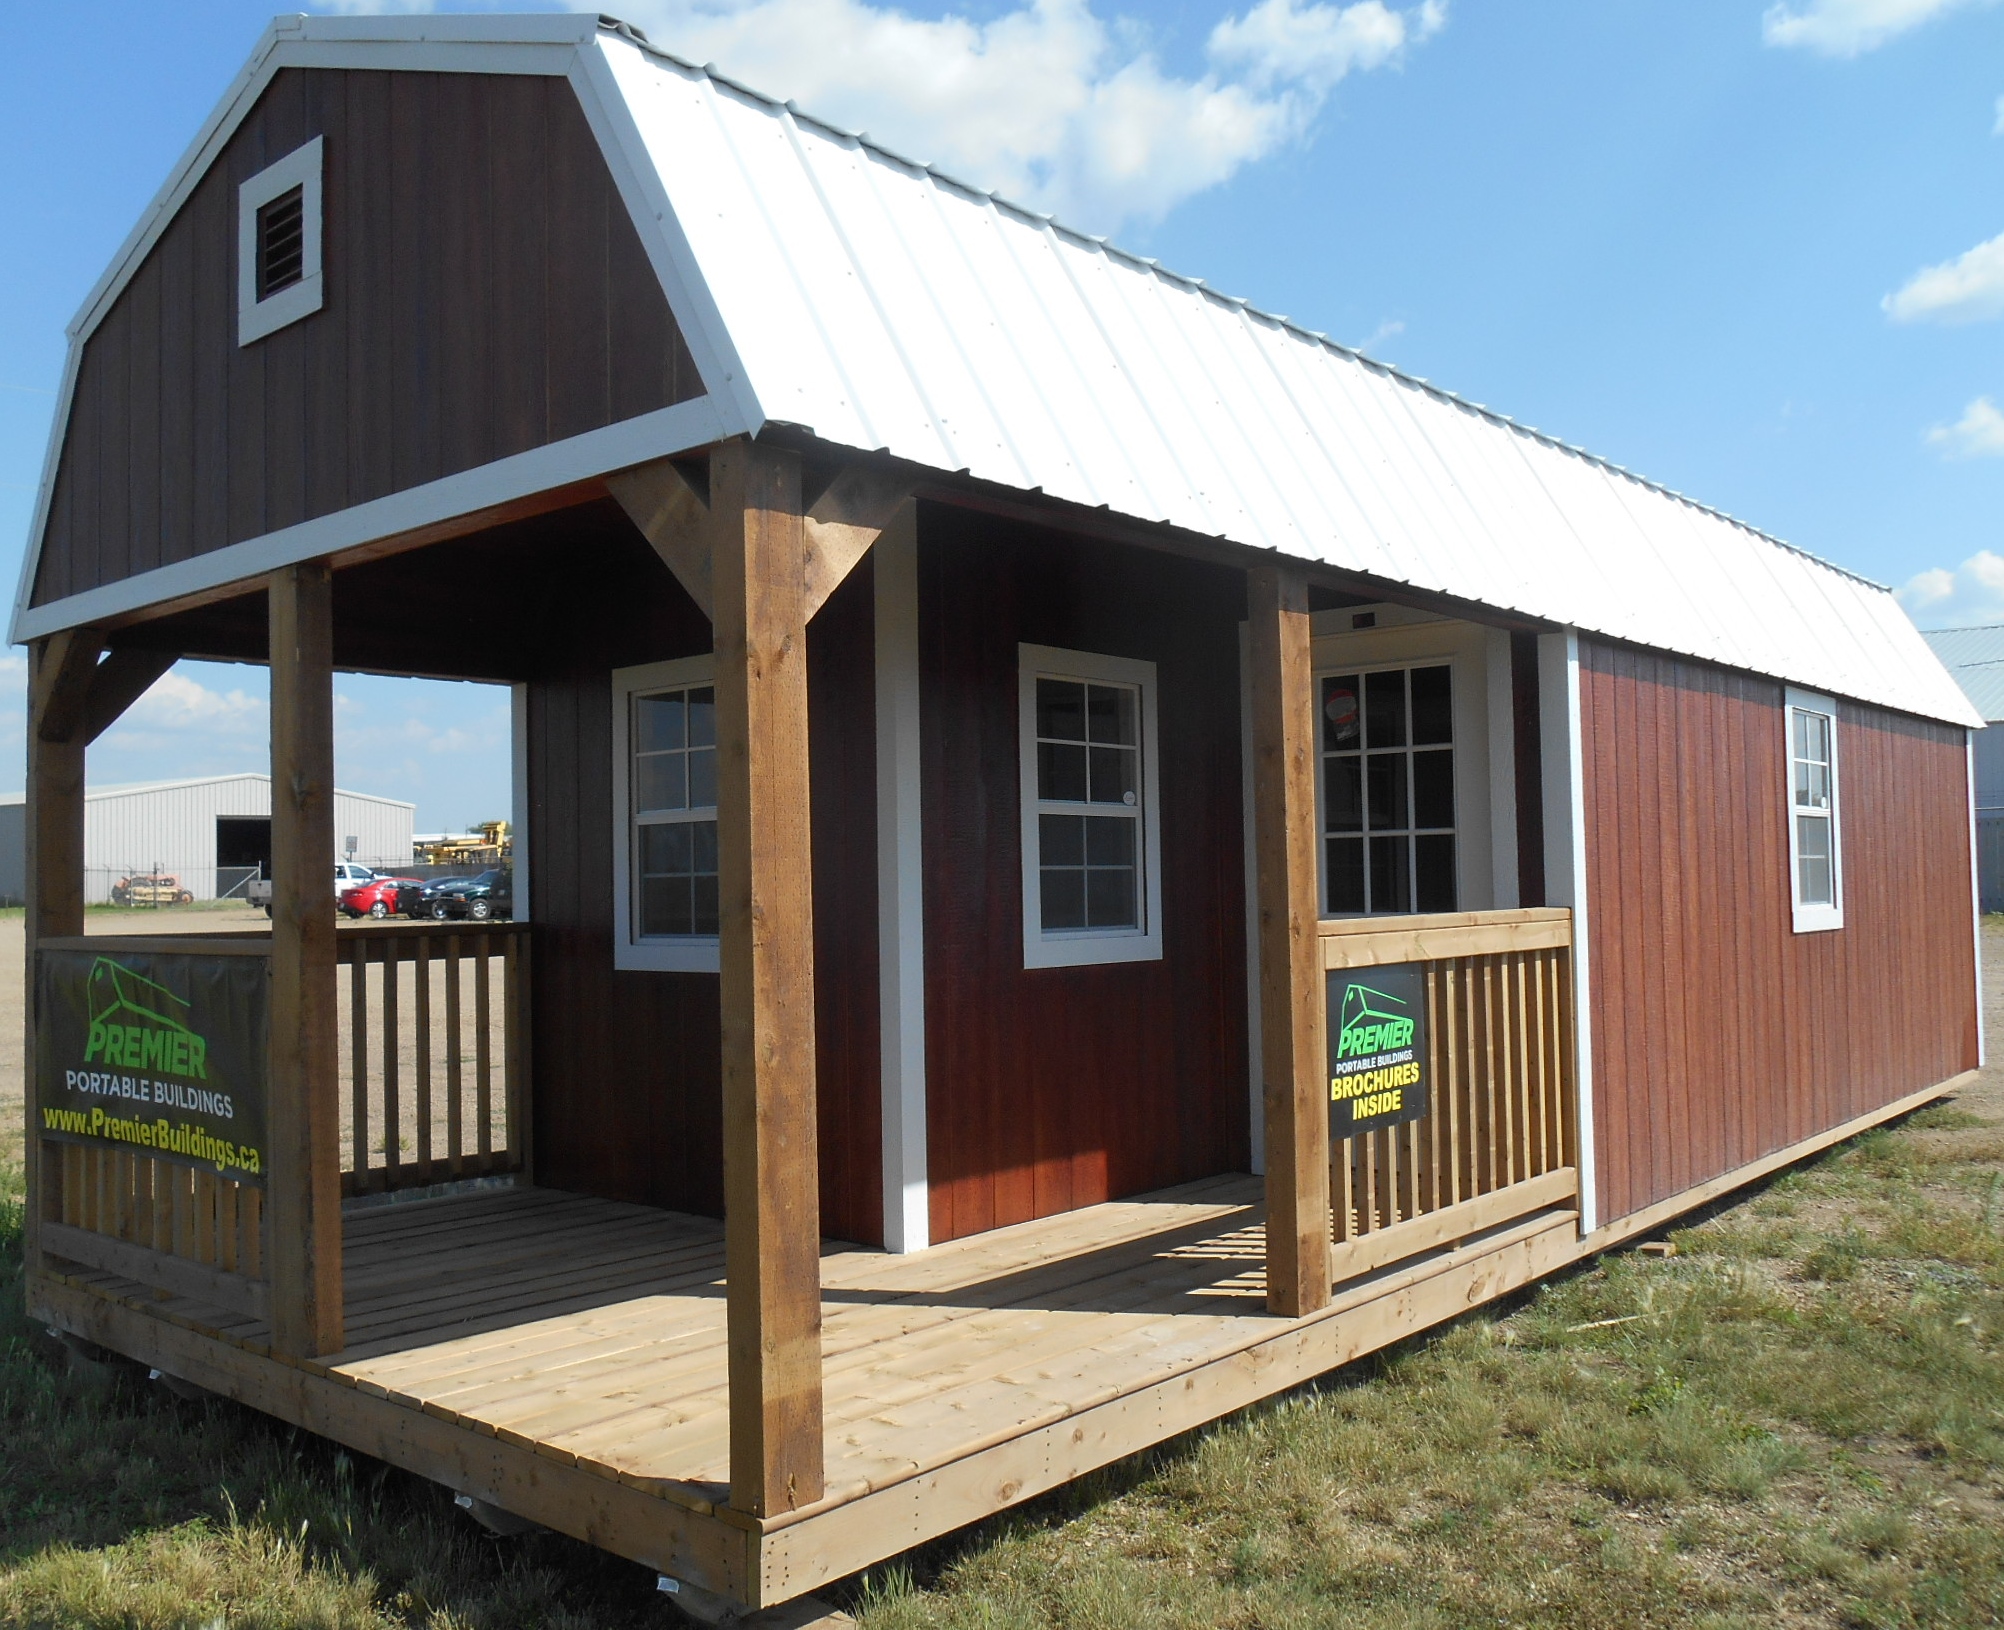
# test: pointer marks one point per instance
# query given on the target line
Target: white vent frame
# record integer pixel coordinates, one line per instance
(256, 318)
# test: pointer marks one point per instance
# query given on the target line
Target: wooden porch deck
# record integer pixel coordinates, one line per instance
(564, 1357)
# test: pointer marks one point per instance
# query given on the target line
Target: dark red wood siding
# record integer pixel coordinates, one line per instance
(1720, 1034)
(486, 293)
(627, 1086)
(1053, 1088)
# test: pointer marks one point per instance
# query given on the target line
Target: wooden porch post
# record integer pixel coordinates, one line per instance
(303, 1196)
(60, 670)
(772, 1223)
(1290, 972)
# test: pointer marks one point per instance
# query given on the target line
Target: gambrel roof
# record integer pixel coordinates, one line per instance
(825, 283)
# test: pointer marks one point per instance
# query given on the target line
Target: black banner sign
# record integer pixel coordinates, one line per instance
(162, 1055)
(1377, 1047)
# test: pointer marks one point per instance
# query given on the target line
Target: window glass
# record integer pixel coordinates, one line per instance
(1388, 816)
(1088, 765)
(674, 783)
(1813, 815)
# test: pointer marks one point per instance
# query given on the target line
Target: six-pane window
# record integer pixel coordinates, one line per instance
(1388, 791)
(1088, 805)
(674, 782)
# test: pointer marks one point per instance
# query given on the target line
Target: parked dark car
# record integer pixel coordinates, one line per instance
(491, 894)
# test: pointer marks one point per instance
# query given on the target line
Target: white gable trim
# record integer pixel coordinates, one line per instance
(561, 45)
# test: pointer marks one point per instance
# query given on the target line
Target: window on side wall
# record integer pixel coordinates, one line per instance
(1388, 816)
(1091, 847)
(1815, 835)
(664, 755)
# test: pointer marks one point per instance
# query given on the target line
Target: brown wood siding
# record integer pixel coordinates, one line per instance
(626, 1074)
(486, 293)
(1720, 1034)
(1053, 1088)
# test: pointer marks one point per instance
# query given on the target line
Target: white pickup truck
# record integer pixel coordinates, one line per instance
(347, 875)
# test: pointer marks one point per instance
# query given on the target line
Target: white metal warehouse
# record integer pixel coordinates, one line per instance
(209, 831)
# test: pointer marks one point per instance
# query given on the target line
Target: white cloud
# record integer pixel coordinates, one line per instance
(1971, 593)
(177, 701)
(1967, 289)
(1049, 104)
(1979, 433)
(1390, 329)
(1849, 28)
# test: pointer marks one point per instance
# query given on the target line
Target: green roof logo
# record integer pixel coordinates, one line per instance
(1374, 1021)
(134, 1024)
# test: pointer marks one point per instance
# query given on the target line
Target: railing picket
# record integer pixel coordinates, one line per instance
(357, 960)
(205, 1216)
(423, 1059)
(514, 1024)
(393, 1040)
(455, 1044)
(227, 1253)
(483, 1030)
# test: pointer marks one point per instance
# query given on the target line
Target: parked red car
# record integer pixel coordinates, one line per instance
(379, 897)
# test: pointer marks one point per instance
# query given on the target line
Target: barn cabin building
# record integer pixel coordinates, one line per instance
(1085, 854)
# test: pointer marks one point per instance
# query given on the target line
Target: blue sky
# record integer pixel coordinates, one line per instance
(1753, 251)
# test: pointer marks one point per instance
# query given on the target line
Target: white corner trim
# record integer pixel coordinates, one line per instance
(907, 1195)
(556, 464)
(629, 951)
(518, 813)
(1976, 899)
(1088, 947)
(1561, 746)
(1813, 919)
(301, 168)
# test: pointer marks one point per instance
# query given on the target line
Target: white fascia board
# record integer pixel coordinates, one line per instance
(659, 434)
(645, 194)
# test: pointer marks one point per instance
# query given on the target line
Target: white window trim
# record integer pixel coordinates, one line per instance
(680, 954)
(1407, 639)
(1078, 948)
(256, 318)
(1813, 919)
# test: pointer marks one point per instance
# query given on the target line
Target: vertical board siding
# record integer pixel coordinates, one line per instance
(477, 259)
(627, 1083)
(1053, 1088)
(1720, 1034)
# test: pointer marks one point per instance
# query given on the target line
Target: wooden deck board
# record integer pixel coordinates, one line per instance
(606, 1342)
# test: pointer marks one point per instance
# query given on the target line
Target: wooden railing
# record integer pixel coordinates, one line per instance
(1498, 1141)
(157, 1221)
(434, 1053)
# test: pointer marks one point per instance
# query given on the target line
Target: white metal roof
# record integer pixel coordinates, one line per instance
(130, 789)
(827, 283)
(1975, 656)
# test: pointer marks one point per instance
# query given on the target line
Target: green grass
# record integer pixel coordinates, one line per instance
(1797, 1419)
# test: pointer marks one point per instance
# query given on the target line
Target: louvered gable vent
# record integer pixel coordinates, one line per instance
(281, 243)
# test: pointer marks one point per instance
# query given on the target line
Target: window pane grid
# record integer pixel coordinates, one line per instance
(1088, 770)
(1388, 791)
(674, 798)
(1812, 794)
